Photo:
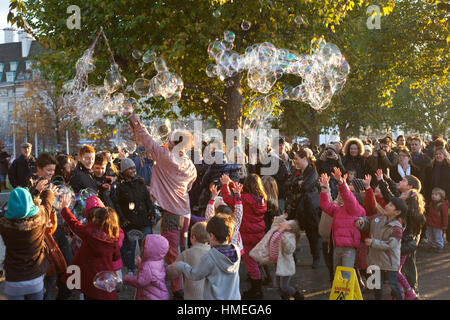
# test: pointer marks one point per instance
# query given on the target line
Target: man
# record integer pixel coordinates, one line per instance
(82, 176)
(59, 150)
(22, 168)
(386, 157)
(172, 178)
(100, 177)
(328, 160)
(338, 146)
(134, 208)
(419, 158)
(4, 166)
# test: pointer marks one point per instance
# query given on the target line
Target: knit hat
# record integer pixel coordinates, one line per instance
(367, 148)
(399, 205)
(330, 146)
(93, 202)
(20, 204)
(126, 164)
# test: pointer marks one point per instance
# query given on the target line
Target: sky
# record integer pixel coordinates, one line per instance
(4, 6)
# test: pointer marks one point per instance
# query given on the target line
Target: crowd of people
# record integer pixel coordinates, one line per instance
(359, 202)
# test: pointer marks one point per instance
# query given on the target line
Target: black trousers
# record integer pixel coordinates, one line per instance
(314, 239)
(328, 251)
(409, 270)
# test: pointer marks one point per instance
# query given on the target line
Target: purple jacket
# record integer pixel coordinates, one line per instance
(151, 275)
(172, 175)
(345, 234)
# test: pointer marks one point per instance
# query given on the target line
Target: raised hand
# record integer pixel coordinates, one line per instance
(214, 192)
(224, 179)
(324, 180)
(41, 185)
(337, 175)
(379, 174)
(237, 188)
(387, 175)
(65, 200)
(366, 180)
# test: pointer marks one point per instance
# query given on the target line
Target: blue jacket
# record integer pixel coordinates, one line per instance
(144, 171)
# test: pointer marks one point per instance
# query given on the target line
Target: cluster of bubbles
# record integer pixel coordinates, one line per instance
(91, 103)
(164, 84)
(323, 72)
(62, 190)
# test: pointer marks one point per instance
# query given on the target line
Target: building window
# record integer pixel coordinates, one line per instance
(1, 76)
(2, 66)
(13, 66)
(10, 76)
(28, 65)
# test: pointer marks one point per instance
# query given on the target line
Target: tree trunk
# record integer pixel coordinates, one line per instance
(234, 98)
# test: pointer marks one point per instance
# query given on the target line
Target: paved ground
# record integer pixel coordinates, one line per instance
(434, 278)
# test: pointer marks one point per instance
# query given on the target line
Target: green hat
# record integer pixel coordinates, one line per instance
(20, 204)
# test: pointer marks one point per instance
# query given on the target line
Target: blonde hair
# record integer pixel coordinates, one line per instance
(271, 188)
(440, 192)
(199, 232)
(444, 152)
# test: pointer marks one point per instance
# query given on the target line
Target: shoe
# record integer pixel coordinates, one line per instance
(315, 264)
(255, 292)
(410, 295)
(298, 296)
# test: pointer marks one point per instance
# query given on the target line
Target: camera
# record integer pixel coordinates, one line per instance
(329, 153)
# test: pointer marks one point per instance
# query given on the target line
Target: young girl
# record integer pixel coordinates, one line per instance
(385, 242)
(282, 245)
(437, 219)
(344, 234)
(271, 188)
(151, 274)
(413, 220)
(252, 227)
(99, 247)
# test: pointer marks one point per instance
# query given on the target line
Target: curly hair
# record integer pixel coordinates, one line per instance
(349, 142)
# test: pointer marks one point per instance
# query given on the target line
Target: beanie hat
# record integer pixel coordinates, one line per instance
(399, 205)
(93, 202)
(330, 146)
(20, 204)
(126, 164)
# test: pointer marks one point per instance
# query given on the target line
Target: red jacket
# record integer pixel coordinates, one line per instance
(97, 253)
(437, 216)
(252, 227)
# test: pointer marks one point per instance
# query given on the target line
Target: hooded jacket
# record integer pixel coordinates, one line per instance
(386, 246)
(151, 275)
(252, 228)
(97, 253)
(220, 273)
(344, 232)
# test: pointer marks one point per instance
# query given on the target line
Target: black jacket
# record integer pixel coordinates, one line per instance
(104, 194)
(442, 182)
(415, 171)
(4, 163)
(82, 178)
(132, 202)
(21, 170)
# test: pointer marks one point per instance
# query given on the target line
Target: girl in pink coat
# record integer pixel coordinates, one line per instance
(151, 274)
(344, 234)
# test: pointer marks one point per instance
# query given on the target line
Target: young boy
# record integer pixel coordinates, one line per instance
(220, 265)
(193, 290)
(385, 243)
(103, 183)
(82, 175)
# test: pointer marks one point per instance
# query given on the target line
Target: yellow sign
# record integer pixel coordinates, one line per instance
(345, 285)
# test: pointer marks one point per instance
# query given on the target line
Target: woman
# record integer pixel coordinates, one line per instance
(353, 159)
(63, 168)
(305, 205)
(405, 166)
(438, 174)
(22, 228)
(401, 143)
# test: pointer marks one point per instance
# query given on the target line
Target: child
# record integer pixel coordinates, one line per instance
(385, 242)
(22, 228)
(193, 290)
(437, 219)
(413, 220)
(254, 205)
(343, 232)
(103, 184)
(281, 250)
(151, 275)
(271, 188)
(220, 265)
(237, 214)
(99, 247)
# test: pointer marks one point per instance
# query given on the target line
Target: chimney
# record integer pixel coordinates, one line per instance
(9, 35)
(26, 40)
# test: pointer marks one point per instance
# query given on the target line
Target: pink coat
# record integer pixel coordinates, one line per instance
(151, 274)
(345, 234)
(172, 175)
